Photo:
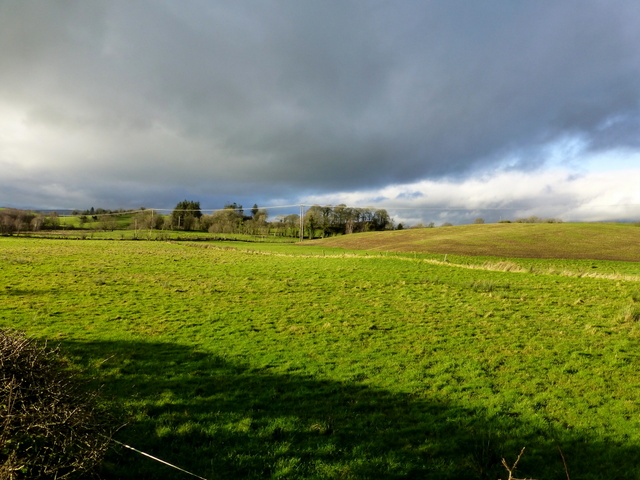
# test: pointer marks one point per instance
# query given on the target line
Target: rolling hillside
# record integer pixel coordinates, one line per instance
(597, 241)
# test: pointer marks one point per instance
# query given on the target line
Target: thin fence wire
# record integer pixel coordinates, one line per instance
(159, 460)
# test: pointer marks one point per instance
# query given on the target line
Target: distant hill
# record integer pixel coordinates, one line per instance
(46, 211)
(597, 241)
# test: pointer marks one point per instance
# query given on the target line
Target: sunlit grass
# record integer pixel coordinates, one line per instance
(314, 362)
(601, 241)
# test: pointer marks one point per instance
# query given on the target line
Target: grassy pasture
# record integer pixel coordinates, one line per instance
(282, 361)
(121, 221)
(601, 241)
(147, 234)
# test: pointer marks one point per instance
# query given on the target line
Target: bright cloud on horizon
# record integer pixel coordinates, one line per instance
(437, 111)
(557, 193)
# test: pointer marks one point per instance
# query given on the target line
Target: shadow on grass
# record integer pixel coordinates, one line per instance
(224, 420)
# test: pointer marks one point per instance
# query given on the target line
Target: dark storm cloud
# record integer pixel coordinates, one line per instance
(278, 98)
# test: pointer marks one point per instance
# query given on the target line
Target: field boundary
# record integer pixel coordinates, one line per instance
(497, 266)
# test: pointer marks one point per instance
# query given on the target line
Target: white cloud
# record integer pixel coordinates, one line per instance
(556, 193)
(118, 104)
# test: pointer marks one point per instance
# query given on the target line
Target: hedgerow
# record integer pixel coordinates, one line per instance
(50, 424)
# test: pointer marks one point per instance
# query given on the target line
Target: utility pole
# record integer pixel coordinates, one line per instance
(301, 222)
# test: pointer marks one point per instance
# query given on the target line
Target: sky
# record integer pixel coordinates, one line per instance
(435, 110)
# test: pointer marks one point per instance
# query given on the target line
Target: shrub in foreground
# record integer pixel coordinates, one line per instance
(50, 426)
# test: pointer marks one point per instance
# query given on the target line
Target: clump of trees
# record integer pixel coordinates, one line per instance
(287, 225)
(317, 220)
(329, 220)
(147, 219)
(13, 220)
(94, 212)
(51, 426)
(533, 219)
(232, 219)
(186, 215)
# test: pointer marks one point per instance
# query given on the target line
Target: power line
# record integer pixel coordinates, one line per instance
(424, 208)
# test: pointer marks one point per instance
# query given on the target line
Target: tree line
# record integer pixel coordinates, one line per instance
(316, 221)
(13, 220)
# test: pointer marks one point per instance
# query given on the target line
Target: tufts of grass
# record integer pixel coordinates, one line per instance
(482, 285)
(504, 266)
(267, 361)
(631, 313)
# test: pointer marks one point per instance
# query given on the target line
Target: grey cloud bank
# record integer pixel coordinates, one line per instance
(146, 103)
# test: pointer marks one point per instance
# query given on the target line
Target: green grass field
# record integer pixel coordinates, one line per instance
(283, 361)
(603, 241)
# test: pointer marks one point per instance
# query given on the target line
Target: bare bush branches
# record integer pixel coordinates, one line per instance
(513, 467)
(51, 427)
